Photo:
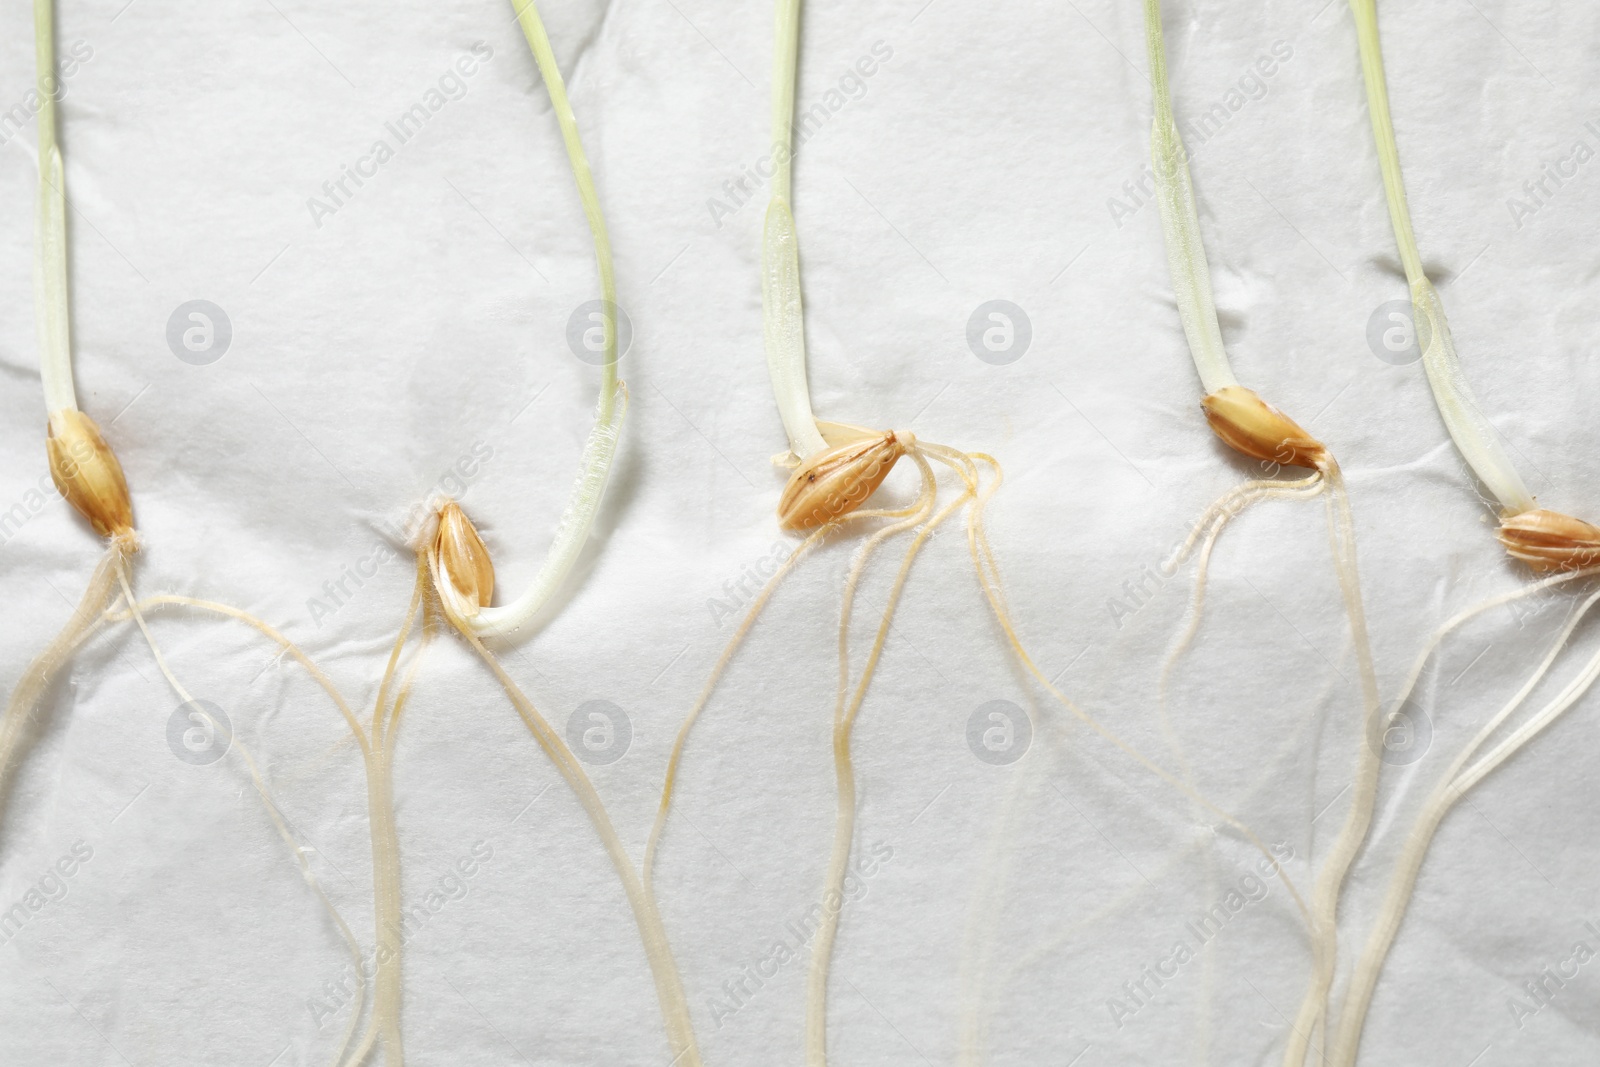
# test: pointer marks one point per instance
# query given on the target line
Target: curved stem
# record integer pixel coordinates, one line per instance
(543, 55)
(594, 467)
(577, 520)
(1474, 435)
(1180, 221)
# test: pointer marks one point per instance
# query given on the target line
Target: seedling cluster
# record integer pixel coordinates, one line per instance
(834, 472)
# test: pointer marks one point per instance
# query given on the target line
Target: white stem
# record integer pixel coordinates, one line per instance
(785, 67)
(1471, 430)
(545, 57)
(50, 286)
(572, 533)
(783, 311)
(1180, 221)
(594, 468)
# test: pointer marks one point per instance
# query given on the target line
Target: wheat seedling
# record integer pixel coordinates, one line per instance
(454, 568)
(1253, 427)
(1547, 541)
(88, 475)
(836, 468)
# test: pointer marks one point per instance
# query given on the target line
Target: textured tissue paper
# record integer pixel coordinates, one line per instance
(385, 298)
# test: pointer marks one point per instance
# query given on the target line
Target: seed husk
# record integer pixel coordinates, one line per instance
(836, 481)
(465, 574)
(87, 473)
(1548, 540)
(1250, 425)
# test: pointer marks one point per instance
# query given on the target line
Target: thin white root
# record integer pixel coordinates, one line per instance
(1207, 531)
(658, 950)
(844, 717)
(1213, 522)
(1312, 1015)
(378, 750)
(136, 610)
(917, 512)
(1453, 785)
(1045, 947)
(757, 606)
(988, 572)
(84, 620)
(670, 781)
(376, 745)
(1473, 433)
(986, 567)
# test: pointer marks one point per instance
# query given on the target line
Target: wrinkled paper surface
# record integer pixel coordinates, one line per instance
(405, 335)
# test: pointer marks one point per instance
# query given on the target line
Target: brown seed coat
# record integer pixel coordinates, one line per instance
(461, 562)
(87, 473)
(1250, 425)
(836, 481)
(1548, 540)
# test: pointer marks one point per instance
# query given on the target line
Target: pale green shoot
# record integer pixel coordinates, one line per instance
(594, 468)
(1472, 432)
